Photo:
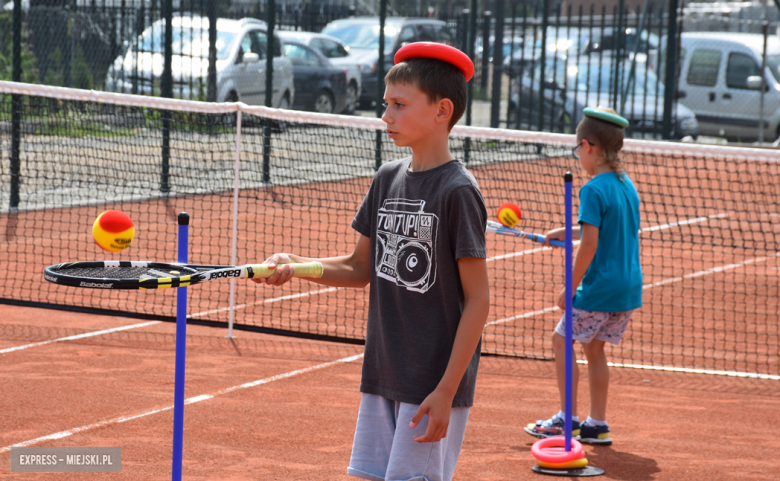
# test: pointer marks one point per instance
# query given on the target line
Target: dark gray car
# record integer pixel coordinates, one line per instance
(319, 85)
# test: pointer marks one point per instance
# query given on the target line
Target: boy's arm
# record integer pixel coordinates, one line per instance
(353, 270)
(476, 305)
(585, 254)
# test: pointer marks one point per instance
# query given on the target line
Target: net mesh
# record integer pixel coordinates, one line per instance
(709, 235)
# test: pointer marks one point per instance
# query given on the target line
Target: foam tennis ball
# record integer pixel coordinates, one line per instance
(509, 214)
(113, 230)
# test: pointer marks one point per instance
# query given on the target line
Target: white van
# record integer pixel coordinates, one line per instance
(720, 81)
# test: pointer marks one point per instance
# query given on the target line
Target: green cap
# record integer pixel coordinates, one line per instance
(606, 116)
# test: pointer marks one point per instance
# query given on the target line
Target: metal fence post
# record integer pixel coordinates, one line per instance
(542, 59)
(270, 20)
(211, 94)
(483, 79)
(16, 105)
(380, 81)
(167, 92)
(670, 92)
(471, 44)
(765, 32)
(498, 63)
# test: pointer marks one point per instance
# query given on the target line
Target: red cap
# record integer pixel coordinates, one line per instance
(438, 51)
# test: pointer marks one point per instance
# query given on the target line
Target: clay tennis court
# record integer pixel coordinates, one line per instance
(274, 407)
(666, 426)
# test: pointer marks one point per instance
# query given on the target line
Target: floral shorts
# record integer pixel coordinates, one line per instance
(589, 325)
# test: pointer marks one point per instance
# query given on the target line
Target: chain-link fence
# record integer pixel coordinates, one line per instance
(538, 62)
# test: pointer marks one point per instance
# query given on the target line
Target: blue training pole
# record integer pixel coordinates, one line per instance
(181, 348)
(569, 294)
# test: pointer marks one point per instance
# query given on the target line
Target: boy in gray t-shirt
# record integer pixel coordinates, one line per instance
(422, 249)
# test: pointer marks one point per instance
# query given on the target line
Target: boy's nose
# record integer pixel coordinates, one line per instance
(387, 119)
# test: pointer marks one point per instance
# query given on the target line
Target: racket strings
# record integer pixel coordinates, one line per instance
(123, 272)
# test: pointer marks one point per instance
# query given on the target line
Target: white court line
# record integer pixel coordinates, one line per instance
(670, 280)
(268, 301)
(78, 336)
(192, 400)
(712, 372)
(646, 229)
(134, 326)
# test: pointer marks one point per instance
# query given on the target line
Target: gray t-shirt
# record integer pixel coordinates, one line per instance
(419, 224)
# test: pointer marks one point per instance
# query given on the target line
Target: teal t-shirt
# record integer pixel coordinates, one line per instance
(613, 282)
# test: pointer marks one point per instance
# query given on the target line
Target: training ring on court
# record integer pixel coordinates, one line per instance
(606, 117)
(551, 450)
(438, 51)
(576, 464)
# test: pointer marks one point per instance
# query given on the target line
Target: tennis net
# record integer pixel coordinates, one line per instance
(293, 181)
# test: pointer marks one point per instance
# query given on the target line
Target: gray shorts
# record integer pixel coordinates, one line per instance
(588, 325)
(384, 449)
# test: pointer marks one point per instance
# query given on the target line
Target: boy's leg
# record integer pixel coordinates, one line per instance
(598, 378)
(413, 461)
(373, 438)
(559, 347)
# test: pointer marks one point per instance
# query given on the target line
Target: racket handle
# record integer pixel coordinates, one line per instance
(305, 269)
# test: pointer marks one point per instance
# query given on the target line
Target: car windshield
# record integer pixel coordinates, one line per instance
(358, 35)
(773, 64)
(187, 42)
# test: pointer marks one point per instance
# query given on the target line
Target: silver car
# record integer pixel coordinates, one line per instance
(241, 50)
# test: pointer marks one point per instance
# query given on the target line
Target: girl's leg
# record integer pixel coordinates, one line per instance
(598, 378)
(559, 347)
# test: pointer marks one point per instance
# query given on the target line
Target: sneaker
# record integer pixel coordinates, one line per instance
(595, 434)
(555, 426)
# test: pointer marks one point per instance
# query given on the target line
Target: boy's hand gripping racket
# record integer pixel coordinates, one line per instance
(496, 228)
(159, 275)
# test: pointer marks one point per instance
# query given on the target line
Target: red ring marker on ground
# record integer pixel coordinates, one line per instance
(551, 450)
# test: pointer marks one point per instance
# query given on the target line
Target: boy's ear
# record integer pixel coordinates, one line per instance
(444, 113)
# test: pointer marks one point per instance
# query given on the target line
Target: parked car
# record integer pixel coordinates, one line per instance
(510, 45)
(319, 85)
(569, 88)
(338, 54)
(241, 52)
(721, 81)
(361, 34)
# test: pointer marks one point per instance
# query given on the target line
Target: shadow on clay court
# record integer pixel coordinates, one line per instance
(622, 465)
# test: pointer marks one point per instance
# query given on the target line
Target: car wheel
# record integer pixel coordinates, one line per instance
(352, 99)
(324, 102)
(232, 96)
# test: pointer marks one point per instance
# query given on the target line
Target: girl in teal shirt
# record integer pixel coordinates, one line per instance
(606, 269)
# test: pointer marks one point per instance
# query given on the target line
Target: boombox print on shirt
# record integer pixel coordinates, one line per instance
(406, 244)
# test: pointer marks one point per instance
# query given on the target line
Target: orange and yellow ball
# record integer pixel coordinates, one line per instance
(509, 214)
(113, 230)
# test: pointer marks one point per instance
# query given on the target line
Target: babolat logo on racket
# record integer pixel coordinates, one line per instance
(49, 278)
(96, 284)
(223, 274)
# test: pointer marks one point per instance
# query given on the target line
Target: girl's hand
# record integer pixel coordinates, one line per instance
(562, 300)
(555, 234)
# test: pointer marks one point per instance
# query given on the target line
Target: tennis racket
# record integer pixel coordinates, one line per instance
(159, 275)
(496, 228)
